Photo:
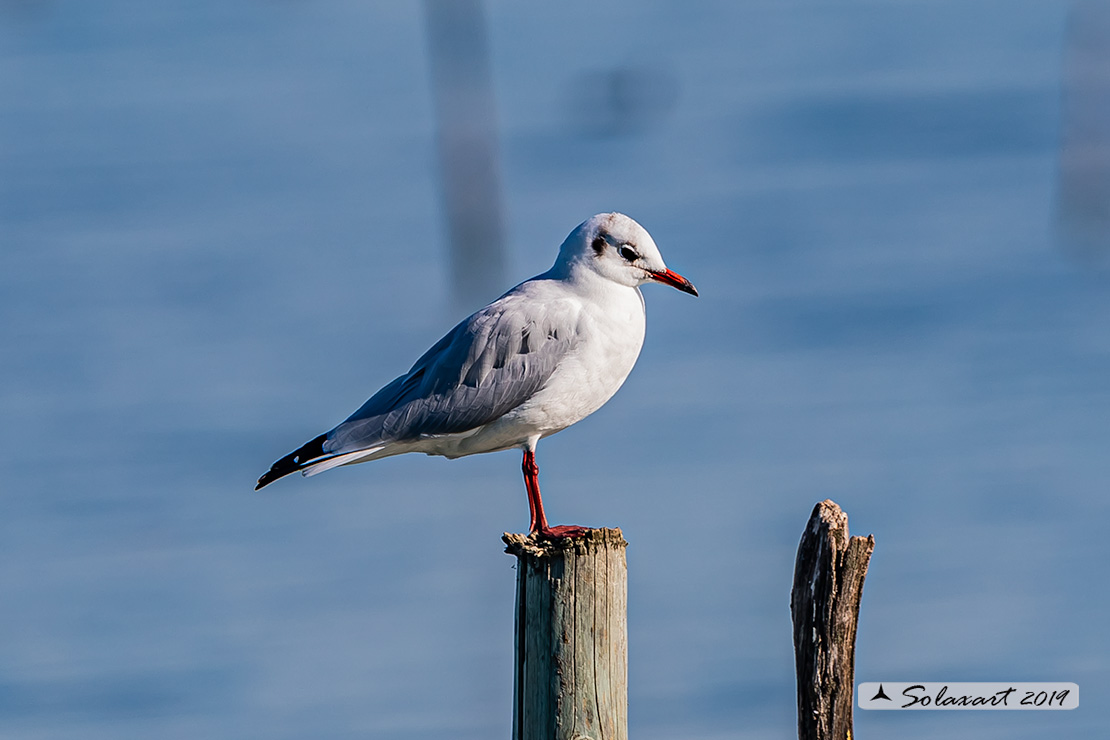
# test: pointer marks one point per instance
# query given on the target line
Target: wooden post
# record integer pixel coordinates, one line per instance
(828, 585)
(571, 678)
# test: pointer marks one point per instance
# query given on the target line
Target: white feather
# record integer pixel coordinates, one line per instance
(334, 462)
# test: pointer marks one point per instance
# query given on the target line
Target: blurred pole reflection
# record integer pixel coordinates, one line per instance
(620, 101)
(1083, 206)
(467, 141)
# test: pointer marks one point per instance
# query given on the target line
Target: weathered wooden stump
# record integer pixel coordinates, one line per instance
(828, 585)
(571, 677)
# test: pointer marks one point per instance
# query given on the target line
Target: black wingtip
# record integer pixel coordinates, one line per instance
(299, 459)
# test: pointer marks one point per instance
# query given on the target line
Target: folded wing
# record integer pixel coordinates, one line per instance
(483, 368)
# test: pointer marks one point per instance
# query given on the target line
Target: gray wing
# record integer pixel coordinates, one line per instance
(486, 366)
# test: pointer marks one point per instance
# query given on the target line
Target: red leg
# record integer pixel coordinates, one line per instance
(538, 522)
(532, 485)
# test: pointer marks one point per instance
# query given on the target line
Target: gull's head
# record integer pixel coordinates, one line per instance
(617, 248)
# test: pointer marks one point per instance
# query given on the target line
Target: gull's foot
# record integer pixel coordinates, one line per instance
(562, 532)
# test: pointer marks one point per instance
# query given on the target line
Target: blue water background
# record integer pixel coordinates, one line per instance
(221, 230)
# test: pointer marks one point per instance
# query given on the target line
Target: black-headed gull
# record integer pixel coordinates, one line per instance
(543, 356)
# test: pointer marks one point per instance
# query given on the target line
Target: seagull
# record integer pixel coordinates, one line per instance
(545, 355)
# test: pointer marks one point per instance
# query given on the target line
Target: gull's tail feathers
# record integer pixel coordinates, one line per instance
(347, 458)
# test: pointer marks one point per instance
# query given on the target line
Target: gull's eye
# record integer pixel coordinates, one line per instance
(628, 253)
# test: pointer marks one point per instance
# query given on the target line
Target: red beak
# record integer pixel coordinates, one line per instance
(673, 279)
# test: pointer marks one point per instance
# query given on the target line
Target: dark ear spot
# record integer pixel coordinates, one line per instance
(598, 244)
